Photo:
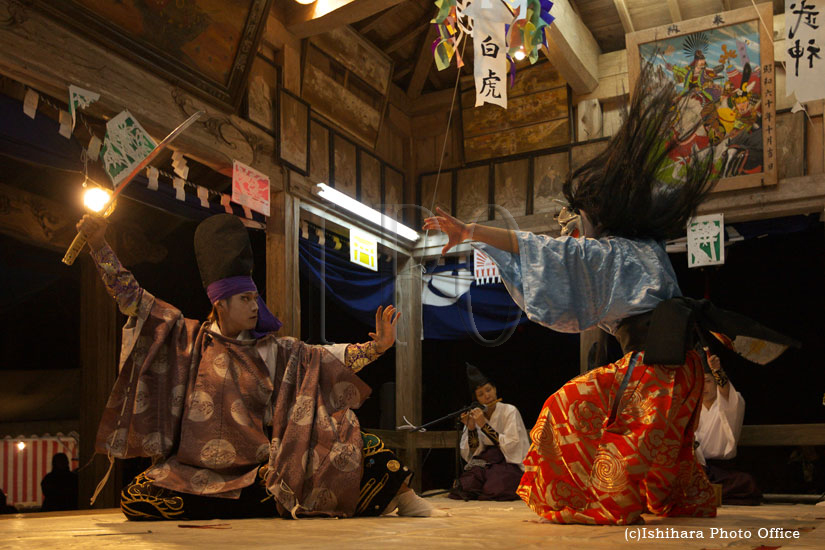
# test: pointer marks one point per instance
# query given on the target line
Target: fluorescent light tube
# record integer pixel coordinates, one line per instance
(364, 211)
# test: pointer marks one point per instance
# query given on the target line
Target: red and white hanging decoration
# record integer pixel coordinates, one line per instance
(484, 269)
(25, 460)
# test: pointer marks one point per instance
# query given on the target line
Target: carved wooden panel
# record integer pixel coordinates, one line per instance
(583, 153)
(536, 117)
(358, 55)
(432, 197)
(205, 46)
(318, 153)
(472, 194)
(511, 187)
(347, 80)
(549, 173)
(370, 182)
(790, 135)
(509, 142)
(344, 173)
(393, 192)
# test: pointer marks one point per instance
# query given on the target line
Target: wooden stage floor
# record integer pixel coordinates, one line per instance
(470, 525)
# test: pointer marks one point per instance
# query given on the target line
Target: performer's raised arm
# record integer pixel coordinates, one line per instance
(457, 231)
(119, 282)
(358, 356)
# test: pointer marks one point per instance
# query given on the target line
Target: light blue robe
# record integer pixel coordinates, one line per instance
(571, 284)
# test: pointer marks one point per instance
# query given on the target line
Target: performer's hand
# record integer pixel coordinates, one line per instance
(478, 417)
(713, 361)
(456, 230)
(385, 320)
(464, 418)
(94, 228)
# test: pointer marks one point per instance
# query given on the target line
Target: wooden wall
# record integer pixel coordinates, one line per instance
(537, 116)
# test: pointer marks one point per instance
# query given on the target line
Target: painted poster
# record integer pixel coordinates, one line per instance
(717, 74)
(250, 188)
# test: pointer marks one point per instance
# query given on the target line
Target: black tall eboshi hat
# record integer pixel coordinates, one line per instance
(222, 249)
(476, 378)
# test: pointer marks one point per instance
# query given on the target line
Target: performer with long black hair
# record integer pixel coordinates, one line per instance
(619, 439)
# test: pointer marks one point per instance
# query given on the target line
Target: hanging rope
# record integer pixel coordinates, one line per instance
(443, 148)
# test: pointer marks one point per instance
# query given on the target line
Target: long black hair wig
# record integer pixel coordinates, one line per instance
(622, 190)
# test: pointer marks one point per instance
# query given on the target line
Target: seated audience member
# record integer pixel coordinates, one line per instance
(494, 444)
(59, 486)
(5, 508)
(720, 423)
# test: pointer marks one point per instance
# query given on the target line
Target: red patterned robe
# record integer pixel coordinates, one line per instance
(592, 459)
(584, 467)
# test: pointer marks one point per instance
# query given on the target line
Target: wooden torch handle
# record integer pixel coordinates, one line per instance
(74, 249)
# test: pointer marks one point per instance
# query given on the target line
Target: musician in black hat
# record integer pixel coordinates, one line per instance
(238, 421)
(494, 444)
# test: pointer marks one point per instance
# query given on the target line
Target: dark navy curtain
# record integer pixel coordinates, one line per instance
(484, 310)
(489, 307)
(355, 288)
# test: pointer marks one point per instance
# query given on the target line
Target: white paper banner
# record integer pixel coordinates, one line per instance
(93, 149)
(178, 184)
(225, 203)
(30, 103)
(65, 124)
(125, 145)
(706, 240)
(490, 62)
(152, 174)
(804, 60)
(250, 188)
(203, 195)
(363, 249)
(80, 99)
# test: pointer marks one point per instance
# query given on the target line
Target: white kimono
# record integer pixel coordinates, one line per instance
(512, 435)
(719, 426)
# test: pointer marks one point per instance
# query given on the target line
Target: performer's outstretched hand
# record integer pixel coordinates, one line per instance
(94, 228)
(456, 230)
(385, 320)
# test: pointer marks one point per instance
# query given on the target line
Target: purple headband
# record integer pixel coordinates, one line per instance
(226, 288)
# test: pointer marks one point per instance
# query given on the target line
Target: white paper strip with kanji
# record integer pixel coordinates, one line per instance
(490, 53)
(805, 33)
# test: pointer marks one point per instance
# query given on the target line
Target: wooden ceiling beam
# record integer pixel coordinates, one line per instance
(726, 5)
(401, 73)
(388, 15)
(321, 16)
(408, 36)
(572, 49)
(624, 15)
(675, 11)
(423, 65)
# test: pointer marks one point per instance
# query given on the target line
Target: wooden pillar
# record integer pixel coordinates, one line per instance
(283, 296)
(408, 356)
(99, 350)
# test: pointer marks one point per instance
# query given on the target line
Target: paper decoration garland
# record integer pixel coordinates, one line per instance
(500, 29)
(136, 135)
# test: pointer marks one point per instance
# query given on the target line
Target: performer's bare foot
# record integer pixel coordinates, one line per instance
(409, 504)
